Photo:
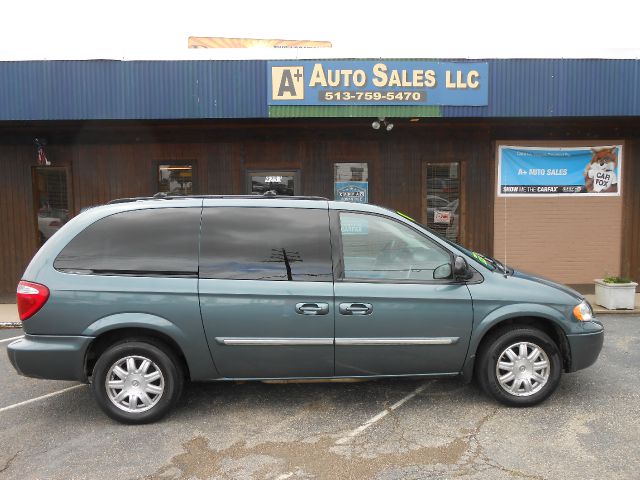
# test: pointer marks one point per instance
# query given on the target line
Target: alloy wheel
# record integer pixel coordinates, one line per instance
(134, 384)
(523, 369)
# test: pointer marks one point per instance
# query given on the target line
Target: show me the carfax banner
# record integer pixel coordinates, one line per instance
(527, 171)
(377, 82)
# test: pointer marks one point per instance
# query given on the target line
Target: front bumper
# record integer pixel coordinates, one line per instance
(50, 356)
(585, 347)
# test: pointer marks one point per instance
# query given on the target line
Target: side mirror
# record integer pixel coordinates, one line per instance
(442, 272)
(461, 269)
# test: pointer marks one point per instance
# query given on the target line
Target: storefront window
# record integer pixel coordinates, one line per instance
(351, 182)
(175, 179)
(280, 183)
(442, 201)
(52, 204)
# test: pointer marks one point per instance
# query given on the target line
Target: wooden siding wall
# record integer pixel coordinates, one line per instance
(630, 259)
(116, 159)
(122, 165)
(17, 223)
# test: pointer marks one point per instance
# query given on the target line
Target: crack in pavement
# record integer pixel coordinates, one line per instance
(320, 457)
(9, 461)
(480, 460)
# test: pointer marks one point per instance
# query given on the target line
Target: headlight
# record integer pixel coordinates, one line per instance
(583, 312)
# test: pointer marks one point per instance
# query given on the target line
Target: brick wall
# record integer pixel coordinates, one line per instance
(567, 239)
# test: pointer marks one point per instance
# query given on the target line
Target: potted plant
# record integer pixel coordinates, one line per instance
(616, 293)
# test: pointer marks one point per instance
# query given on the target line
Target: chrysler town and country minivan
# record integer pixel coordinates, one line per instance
(140, 295)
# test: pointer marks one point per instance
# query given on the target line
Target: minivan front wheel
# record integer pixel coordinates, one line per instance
(136, 382)
(519, 366)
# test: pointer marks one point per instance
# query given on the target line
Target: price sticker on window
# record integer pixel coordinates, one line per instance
(441, 216)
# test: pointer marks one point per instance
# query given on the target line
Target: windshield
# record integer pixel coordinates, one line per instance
(486, 261)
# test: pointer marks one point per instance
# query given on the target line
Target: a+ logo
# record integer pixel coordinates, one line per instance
(287, 83)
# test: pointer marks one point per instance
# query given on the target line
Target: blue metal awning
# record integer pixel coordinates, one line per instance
(236, 89)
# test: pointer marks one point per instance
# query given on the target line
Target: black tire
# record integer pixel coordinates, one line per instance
(172, 381)
(496, 345)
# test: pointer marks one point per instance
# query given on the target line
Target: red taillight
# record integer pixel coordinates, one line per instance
(30, 298)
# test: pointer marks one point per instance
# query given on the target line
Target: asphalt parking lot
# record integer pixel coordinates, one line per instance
(391, 429)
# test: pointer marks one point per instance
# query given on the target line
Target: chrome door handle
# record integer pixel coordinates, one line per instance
(312, 308)
(356, 308)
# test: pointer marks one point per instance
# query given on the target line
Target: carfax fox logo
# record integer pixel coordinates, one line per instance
(600, 173)
(287, 83)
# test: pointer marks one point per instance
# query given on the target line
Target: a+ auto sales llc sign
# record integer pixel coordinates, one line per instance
(371, 82)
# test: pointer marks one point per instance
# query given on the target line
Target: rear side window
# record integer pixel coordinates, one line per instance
(154, 242)
(266, 244)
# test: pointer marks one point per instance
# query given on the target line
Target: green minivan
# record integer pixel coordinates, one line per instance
(141, 294)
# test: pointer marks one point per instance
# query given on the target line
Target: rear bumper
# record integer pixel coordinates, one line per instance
(50, 356)
(585, 348)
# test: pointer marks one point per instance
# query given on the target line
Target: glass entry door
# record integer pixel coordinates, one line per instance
(52, 200)
(441, 198)
(278, 181)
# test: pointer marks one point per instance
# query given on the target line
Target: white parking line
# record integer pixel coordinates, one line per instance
(380, 416)
(284, 476)
(368, 423)
(37, 399)
(12, 338)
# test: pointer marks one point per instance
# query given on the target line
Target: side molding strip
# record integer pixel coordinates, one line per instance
(397, 341)
(273, 341)
(338, 341)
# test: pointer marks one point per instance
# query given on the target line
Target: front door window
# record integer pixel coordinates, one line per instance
(378, 248)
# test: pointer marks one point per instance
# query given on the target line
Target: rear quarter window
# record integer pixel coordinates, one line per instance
(152, 242)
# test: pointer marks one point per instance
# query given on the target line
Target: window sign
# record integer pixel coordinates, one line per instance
(584, 171)
(354, 225)
(273, 179)
(442, 216)
(351, 182)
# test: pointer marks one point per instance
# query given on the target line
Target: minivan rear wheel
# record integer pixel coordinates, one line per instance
(136, 382)
(519, 366)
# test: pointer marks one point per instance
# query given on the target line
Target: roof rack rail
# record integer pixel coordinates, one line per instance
(267, 195)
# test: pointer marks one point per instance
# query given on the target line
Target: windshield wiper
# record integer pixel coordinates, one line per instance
(497, 264)
(500, 266)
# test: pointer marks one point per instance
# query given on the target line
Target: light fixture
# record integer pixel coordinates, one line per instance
(382, 122)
